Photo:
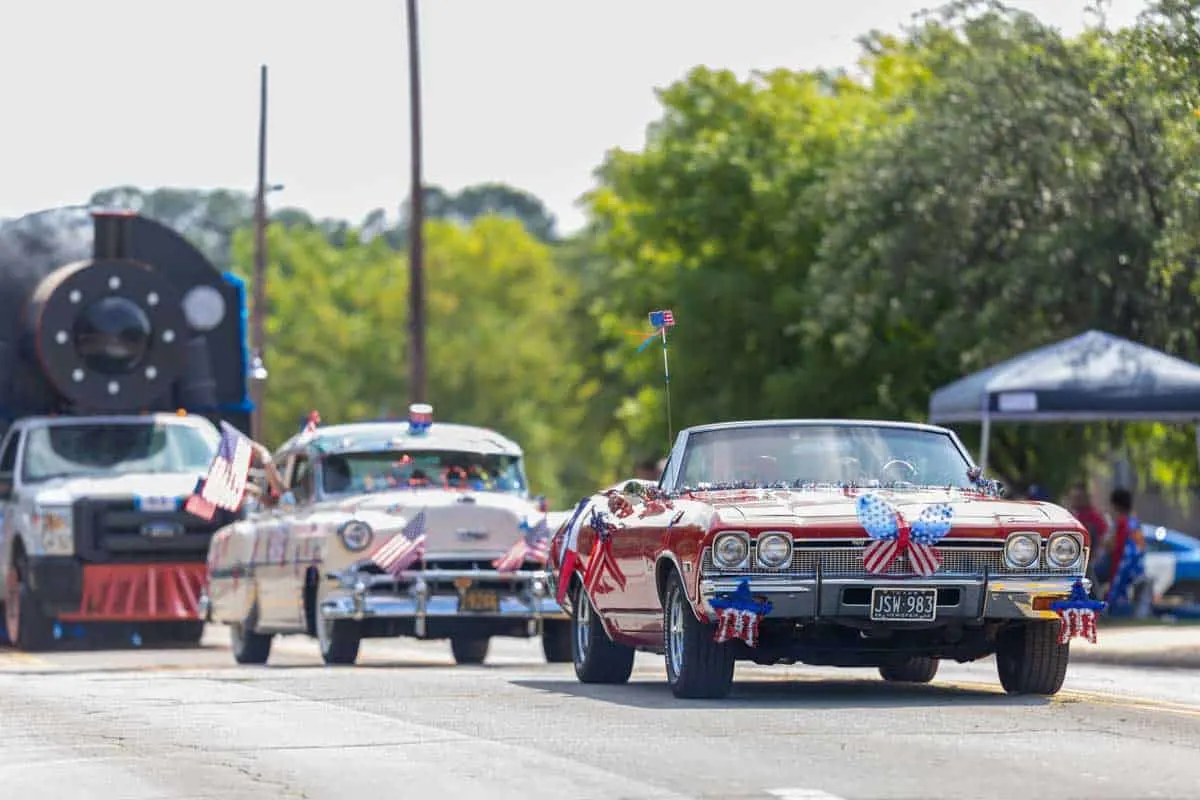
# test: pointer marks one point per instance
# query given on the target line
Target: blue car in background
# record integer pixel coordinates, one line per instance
(1173, 564)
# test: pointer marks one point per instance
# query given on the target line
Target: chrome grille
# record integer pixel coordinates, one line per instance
(847, 561)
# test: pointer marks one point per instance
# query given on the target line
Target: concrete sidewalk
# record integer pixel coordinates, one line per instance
(1153, 644)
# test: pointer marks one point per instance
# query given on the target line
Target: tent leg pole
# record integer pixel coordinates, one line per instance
(1198, 442)
(984, 437)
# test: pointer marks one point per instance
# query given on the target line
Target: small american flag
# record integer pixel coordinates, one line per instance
(225, 484)
(398, 553)
(310, 425)
(662, 319)
(533, 546)
(602, 563)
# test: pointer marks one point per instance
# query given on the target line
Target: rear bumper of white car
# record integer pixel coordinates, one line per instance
(435, 599)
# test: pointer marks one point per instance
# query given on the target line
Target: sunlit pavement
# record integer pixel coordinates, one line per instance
(138, 723)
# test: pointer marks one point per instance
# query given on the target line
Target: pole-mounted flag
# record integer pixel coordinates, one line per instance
(660, 321)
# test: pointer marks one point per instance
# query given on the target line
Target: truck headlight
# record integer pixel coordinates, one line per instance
(355, 535)
(1063, 550)
(730, 550)
(774, 549)
(53, 526)
(1021, 550)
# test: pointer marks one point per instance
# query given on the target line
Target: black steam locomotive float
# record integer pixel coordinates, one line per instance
(121, 347)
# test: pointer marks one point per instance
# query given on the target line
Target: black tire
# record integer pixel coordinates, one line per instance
(1030, 660)
(697, 667)
(34, 631)
(248, 646)
(597, 658)
(915, 669)
(470, 649)
(339, 640)
(556, 641)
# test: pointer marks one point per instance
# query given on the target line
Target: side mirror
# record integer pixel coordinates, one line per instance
(6, 485)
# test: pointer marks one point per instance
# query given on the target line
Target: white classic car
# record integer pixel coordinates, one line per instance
(390, 529)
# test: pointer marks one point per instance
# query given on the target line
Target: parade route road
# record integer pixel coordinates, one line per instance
(141, 724)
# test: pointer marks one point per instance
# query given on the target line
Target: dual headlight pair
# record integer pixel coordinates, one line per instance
(1063, 550)
(732, 550)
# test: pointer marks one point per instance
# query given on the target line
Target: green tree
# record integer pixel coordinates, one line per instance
(337, 334)
(715, 219)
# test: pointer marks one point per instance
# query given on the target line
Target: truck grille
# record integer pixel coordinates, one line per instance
(958, 559)
(113, 530)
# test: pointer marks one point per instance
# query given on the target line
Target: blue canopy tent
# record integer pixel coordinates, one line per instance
(1088, 378)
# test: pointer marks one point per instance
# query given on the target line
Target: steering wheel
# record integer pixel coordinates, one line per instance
(898, 462)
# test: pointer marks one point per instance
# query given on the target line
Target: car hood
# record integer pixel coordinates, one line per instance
(138, 484)
(456, 523)
(837, 507)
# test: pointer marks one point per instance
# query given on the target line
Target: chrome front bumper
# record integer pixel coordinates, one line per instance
(438, 594)
(975, 598)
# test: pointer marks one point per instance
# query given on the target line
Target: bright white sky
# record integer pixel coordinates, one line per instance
(530, 92)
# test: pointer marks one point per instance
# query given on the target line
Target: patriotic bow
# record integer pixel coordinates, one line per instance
(894, 536)
(739, 615)
(1077, 615)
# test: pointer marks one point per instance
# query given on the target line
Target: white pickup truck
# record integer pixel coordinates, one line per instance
(92, 526)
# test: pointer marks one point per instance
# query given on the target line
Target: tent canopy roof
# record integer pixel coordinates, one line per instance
(1092, 376)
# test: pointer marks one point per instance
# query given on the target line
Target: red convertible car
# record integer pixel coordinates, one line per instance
(830, 542)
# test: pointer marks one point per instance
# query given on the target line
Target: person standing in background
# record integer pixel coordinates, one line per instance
(1125, 554)
(1079, 502)
(646, 470)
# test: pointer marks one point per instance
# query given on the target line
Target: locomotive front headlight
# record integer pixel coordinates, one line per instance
(1021, 550)
(1063, 550)
(731, 550)
(355, 535)
(774, 549)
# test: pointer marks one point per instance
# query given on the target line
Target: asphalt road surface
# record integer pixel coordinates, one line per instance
(142, 724)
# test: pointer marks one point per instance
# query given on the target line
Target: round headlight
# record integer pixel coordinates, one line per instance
(355, 535)
(774, 549)
(1021, 550)
(730, 550)
(1063, 550)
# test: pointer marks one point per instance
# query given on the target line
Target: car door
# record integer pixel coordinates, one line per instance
(8, 479)
(276, 590)
(622, 604)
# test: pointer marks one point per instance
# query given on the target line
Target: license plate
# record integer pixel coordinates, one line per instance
(153, 503)
(908, 605)
(479, 601)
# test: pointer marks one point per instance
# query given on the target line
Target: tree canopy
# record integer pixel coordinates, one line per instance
(832, 243)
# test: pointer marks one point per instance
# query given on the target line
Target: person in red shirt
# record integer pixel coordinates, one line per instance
(1080, 503)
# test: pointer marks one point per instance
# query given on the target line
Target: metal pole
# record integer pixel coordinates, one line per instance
(258, 309)
(416, 255)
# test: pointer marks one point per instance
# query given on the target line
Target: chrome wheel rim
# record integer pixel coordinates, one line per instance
(675, 634)
(583, 624)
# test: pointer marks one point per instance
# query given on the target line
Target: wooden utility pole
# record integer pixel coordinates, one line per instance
(416, 249)
(258, 309)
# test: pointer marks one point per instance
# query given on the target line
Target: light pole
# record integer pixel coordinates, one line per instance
(416, 254)
(258, 308)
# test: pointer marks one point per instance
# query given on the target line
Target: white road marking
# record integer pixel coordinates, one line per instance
(802, 794)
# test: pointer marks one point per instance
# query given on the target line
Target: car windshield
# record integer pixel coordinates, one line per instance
(378, 471)
(65, 451)
(776, 455)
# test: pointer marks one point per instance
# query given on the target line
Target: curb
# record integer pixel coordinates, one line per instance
(1167, 658)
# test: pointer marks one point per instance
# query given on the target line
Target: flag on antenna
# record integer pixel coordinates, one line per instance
(662, 319)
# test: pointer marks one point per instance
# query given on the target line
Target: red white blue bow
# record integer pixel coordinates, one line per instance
(894, 536)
